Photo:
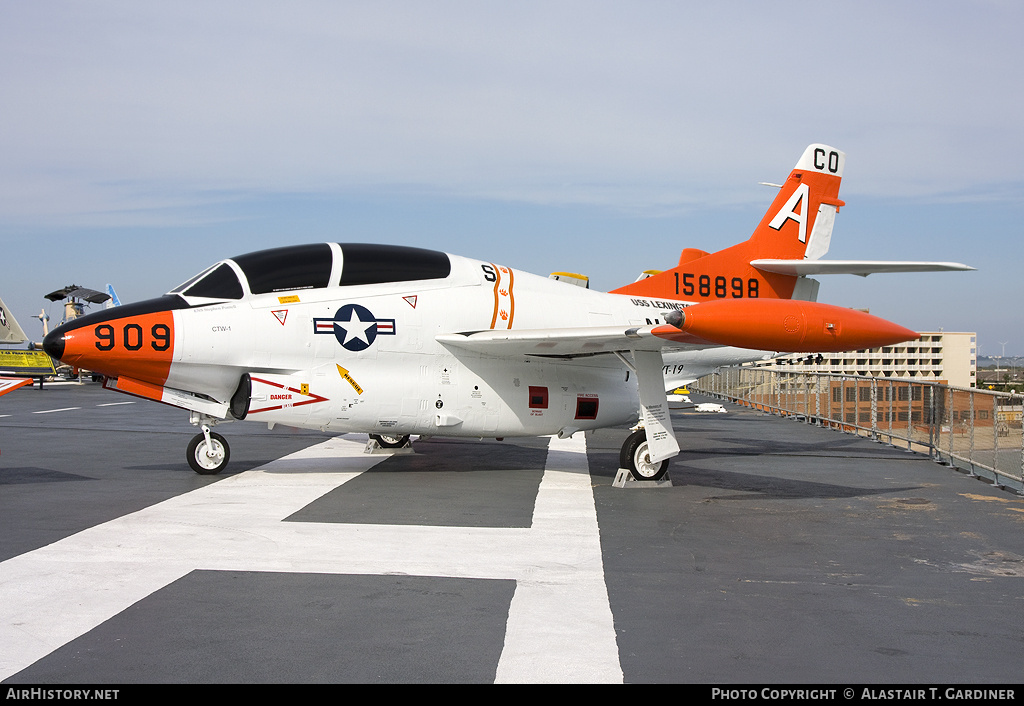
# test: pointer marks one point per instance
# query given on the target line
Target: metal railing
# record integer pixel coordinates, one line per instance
(976, 430)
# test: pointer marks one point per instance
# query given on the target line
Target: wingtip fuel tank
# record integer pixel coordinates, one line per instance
(784, 325)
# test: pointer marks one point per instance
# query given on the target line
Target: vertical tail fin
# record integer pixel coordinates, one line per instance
(113, 301)
(798, 225)
(10, 331)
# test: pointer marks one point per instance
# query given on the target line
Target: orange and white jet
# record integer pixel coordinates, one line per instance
(398, 341)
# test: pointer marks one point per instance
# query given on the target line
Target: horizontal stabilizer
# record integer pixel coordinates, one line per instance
(862, 268)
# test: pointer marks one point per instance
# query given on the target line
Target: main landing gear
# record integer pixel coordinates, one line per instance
(390, 441)
(208, 453)
(635, 457)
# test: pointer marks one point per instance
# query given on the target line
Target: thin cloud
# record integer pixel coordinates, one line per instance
(532, 102)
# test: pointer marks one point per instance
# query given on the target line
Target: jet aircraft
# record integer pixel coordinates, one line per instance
(396, 341)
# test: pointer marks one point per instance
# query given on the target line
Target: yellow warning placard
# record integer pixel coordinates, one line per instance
(26, 363)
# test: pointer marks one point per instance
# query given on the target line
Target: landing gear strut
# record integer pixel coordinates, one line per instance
(636, 458)
(208, 453)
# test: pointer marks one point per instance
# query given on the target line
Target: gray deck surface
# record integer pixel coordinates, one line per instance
(782, 553)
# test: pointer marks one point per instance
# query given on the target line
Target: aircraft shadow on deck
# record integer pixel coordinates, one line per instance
(35, 474)
(771, 487)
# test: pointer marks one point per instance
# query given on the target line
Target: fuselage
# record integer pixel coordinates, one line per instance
(344, 340)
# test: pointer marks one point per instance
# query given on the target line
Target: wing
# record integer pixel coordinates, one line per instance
(760, 324)
(570, 342)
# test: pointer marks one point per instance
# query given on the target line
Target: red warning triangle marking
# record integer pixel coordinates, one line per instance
(412, 300)
(280, 315)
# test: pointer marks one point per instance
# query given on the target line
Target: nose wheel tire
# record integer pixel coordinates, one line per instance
(390, 441)
(636, 458)
(208, 459)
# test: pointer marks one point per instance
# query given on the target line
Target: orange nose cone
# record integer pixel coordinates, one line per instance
(139, 347)
(789, 325)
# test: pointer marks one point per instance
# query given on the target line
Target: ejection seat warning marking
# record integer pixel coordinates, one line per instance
(280, 315)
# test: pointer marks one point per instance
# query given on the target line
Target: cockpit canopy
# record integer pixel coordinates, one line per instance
(311, 267)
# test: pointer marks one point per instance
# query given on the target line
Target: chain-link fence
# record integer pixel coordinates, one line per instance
(976, 430)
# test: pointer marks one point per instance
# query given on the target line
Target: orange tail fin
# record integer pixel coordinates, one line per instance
(797, 225)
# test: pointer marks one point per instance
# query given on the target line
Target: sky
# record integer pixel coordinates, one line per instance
(141, 142)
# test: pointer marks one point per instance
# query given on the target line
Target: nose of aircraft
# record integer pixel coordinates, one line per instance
(135, 341)
(53, 344)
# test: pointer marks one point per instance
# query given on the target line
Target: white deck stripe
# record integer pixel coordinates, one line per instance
(559, 625)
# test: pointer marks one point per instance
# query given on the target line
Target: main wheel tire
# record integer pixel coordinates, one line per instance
(390, 441)
(635, 457)
(208, 460)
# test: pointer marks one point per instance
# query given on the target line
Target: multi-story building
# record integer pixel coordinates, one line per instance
(934, 357)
